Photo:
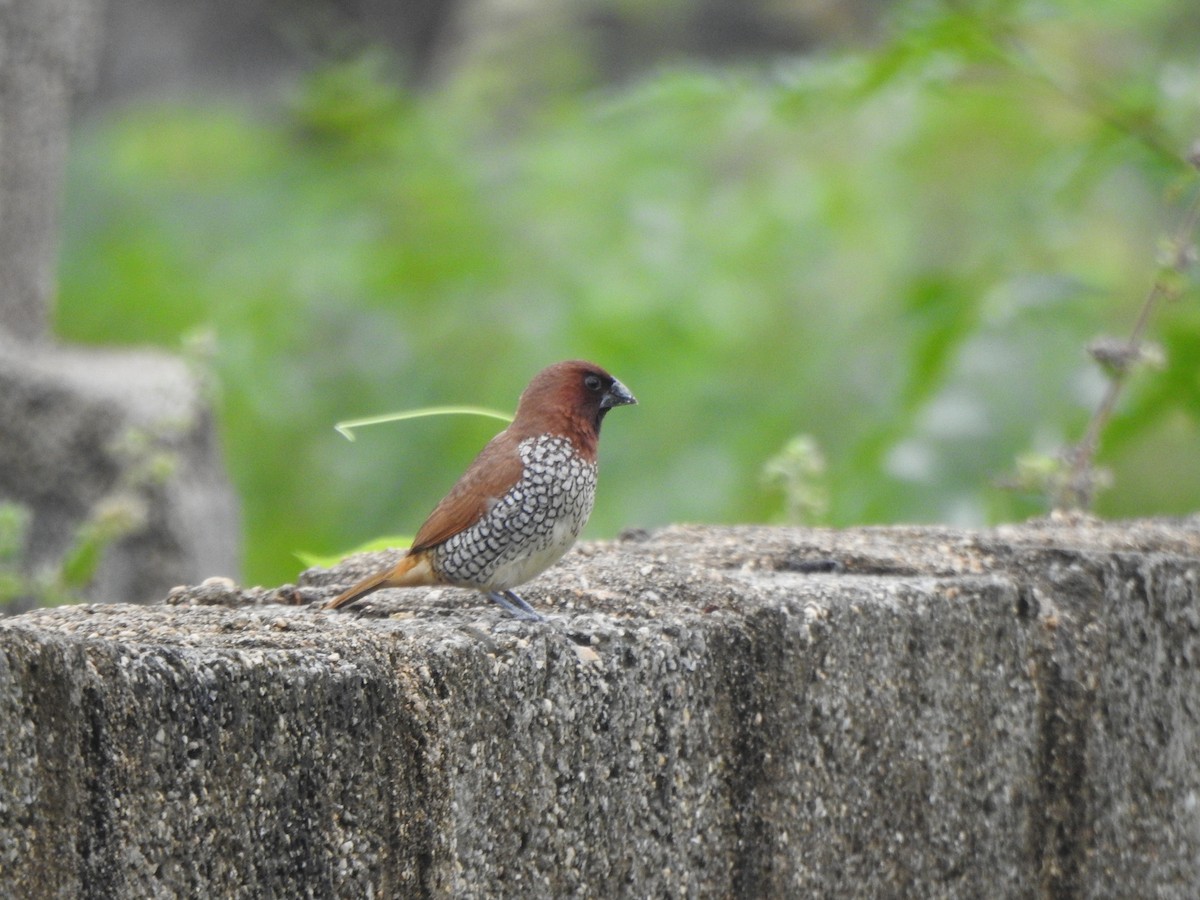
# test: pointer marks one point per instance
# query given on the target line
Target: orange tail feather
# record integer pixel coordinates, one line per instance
(411, 571)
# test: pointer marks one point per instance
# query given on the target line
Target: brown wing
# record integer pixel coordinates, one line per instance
(496, 469)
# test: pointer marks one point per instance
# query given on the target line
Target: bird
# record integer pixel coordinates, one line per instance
(522, 502)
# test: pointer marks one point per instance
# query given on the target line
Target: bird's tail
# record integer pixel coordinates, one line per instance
(409, 572)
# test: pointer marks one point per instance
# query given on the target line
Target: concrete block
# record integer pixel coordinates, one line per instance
(707, 712)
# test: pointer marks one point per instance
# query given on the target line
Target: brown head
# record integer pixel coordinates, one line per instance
(569, 398)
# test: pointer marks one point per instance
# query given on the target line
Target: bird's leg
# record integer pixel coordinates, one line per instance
(515, 606)
(520, 602)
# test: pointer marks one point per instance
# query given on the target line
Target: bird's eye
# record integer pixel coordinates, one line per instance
(593, 383)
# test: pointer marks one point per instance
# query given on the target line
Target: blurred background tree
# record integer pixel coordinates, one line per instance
(848, 256)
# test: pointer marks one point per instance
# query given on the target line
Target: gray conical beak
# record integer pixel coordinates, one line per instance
(617, 395)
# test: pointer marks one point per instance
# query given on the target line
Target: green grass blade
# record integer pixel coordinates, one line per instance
(344, 427)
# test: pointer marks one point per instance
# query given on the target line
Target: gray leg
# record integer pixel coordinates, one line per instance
(518, 609)
(520, 601)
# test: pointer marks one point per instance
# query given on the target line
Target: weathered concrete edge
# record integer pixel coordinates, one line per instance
(819, 737)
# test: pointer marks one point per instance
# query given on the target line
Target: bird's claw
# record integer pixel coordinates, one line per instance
(515, 606)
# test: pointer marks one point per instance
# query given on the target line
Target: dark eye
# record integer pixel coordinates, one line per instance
(593, 383)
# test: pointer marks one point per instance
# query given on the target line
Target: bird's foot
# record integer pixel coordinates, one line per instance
(515, 606)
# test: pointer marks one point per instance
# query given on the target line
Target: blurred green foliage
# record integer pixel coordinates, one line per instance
(65, 581)
(899, 252)
(147, 463)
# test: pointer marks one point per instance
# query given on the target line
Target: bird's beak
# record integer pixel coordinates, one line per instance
(617, 395)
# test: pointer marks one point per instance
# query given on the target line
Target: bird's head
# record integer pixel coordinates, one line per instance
(570, 398)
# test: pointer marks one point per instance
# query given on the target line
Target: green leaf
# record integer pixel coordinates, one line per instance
(325, 561)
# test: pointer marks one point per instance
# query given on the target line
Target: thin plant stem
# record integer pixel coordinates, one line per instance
(1078, 487)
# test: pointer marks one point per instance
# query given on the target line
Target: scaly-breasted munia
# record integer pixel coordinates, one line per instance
(523, 501)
